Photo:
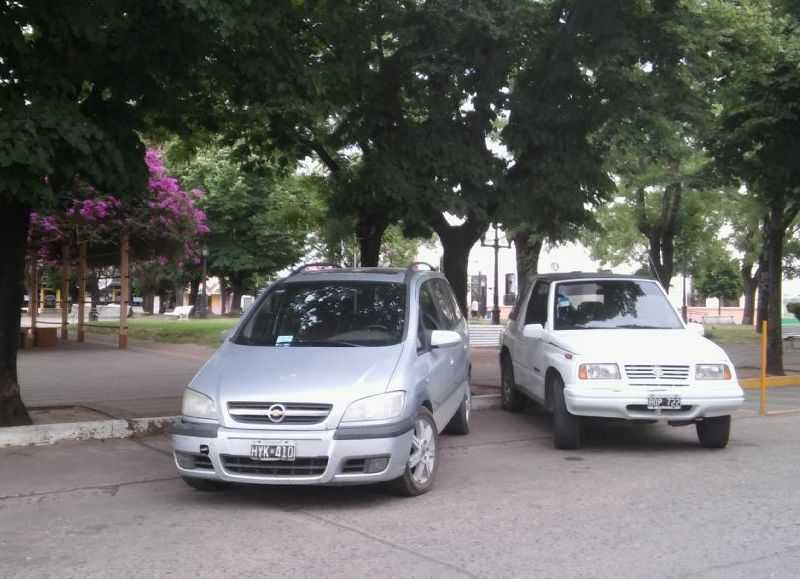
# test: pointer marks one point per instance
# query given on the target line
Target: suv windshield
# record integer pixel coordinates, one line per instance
(328, 314)
(600, 304)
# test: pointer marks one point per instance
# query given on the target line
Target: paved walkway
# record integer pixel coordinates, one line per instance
(148, 378)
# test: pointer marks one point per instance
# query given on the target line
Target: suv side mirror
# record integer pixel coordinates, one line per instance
(224, 335)
(696, 328)
(444, 339)
(534, 331)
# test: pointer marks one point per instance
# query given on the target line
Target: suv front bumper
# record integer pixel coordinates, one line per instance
(630, 401)
(224, 454)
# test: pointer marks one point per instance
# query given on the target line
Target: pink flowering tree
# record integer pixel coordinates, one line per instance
(165, 228)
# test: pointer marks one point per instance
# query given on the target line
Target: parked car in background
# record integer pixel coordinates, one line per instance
(334, 376)
(601, 345)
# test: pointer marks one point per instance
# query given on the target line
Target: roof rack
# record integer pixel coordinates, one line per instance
(413, 266)
(315, 266)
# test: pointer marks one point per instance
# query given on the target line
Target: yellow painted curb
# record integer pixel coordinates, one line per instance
(771, 382)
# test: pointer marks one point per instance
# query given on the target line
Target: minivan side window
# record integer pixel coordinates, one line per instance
(537, 305)
(450, 312)
(428, 314)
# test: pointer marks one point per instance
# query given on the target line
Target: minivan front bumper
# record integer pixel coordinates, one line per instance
(322, 456)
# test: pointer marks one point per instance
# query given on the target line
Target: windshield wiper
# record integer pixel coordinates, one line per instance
(331, 343)
(640, 327)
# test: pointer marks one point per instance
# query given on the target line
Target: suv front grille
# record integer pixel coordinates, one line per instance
(650, 372)
(300, 467)
(292, 412)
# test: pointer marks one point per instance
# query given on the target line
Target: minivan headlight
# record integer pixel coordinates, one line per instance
(712, 372)
(598, 372)
(198, 405)
(381, 407)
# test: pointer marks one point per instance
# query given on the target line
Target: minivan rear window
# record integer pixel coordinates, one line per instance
(328, 314)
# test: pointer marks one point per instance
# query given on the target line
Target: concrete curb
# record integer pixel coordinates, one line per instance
(43, 434)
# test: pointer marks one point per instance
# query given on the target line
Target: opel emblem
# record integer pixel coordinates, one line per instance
(276, 412)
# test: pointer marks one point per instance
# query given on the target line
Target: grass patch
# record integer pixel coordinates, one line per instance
(732, 334)
(192, 331)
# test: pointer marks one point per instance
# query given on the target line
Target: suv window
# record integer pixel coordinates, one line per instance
(336, 313)
(537, 305)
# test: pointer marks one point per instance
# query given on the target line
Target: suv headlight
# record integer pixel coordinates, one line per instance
(381, 407)
(598, 372)
(712, 372)
(198, 405)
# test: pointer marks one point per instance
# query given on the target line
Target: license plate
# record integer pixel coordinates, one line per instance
(265, 451)
(655, 401)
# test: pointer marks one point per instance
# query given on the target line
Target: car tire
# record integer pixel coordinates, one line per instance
(511, 399)
(459, 423)
(566, 426)
(714, 432)
(203, 484)
(423, 461)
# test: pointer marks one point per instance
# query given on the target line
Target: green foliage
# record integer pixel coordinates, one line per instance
(259, 223)
(794, 309)
(717, 275)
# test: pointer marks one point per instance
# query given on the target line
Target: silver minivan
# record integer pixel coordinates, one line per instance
(334, 376)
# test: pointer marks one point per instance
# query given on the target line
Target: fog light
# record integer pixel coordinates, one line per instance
(373, 465)
(184, 460)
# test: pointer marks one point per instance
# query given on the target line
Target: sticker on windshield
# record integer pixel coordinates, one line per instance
(284, 340)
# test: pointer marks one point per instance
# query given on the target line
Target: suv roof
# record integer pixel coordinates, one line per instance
(580, 275)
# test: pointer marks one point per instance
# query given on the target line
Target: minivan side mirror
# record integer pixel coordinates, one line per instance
(444, 339)
(224, 335)
(696, 328)
(534, 331)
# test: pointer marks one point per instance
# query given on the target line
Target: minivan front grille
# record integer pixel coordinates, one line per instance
(651, 372)
(278, 412)
(300, 467)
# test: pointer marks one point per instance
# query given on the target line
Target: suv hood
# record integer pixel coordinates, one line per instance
(296, 374)
(643, 346)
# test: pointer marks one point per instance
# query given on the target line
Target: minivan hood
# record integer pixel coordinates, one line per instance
(642, 346)
(296, 374)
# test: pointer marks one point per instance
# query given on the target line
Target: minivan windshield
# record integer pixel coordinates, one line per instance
(328, 314)
(604, 304)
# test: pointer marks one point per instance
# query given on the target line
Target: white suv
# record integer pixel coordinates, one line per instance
(335, 376)
(613, 346)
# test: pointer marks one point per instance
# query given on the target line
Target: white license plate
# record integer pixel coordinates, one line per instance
(655, 401)
(271, 451)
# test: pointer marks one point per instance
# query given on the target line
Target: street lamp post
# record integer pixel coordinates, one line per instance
(497, 246)
(204, 300)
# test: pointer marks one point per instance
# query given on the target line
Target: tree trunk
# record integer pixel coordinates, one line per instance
(14, 219)
(528, 247)
(237, 291)
(774, 249)
(749, 283)
(194, 288)
(369, 231)
(149, 301)
(457, 242)
(661, 234)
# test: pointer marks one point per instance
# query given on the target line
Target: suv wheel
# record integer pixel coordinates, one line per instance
(459, 423)
(423, 460)
(714, 432)
(203, 484)
(510, 398)
(566, 426)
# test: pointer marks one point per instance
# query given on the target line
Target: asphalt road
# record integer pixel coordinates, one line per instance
(634, 502)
